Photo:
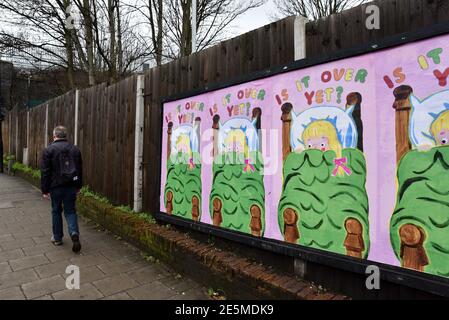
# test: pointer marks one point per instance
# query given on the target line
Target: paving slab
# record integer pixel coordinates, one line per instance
(32, 268)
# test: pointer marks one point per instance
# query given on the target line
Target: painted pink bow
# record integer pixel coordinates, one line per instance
(191, 164)
(248, 166)
(341, 163)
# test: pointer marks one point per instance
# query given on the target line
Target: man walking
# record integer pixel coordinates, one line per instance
(61, 180)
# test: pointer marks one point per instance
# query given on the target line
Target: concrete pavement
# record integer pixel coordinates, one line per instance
(32, 268)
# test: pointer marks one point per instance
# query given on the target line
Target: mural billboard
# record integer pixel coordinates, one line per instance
(349, 157)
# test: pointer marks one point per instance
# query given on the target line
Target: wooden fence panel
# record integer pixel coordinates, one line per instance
(5, 134)
(106, 139)
(37, 136)
(61, 111)
(348, 29)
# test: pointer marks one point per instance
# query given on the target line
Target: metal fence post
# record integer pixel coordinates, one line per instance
(138, 147)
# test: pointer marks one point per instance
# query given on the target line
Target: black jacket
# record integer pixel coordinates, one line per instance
(50, 168)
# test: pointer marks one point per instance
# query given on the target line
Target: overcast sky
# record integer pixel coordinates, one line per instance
(254, 19)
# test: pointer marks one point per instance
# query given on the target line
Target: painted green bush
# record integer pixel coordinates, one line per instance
(423, 200)
(184, 182)
(238, 190)
(322, 201)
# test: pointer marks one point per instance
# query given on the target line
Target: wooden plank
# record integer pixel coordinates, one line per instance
(442, 10)
(416, 14)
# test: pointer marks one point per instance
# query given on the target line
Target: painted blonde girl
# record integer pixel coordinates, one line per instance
(440, 129)
(183, 147)
(236, 141)
(322, 135)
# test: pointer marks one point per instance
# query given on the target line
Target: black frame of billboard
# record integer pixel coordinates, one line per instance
(414, 279)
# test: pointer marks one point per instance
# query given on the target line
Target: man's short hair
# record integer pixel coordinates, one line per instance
(60, 132)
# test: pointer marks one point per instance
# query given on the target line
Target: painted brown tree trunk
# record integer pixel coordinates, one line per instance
(291, 233)
(195, 208)
(354, 238)
(286, 129)
(355, 99)
(217, 216)
(256, 221)
(195, 201)
(169, 133)
(217, 204)
(403, 107)
(413, 253)
(169, 204)
(255, 212)
(216, 127)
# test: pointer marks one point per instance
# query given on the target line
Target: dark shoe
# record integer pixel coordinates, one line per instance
(76, 243)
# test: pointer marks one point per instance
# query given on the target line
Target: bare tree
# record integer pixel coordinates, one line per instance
(150, 13)
(213, 17)
(46, 30)
(103, 42)
(312, 9)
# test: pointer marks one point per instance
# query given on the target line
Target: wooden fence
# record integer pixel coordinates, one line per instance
(106, 115)
(106, 139)
(348, 29)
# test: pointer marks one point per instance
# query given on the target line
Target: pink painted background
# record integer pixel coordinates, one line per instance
(378, 121)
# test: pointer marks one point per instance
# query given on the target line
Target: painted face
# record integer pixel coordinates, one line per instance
(235, 146)
(181, 148)
(321, 143)
(443, 138)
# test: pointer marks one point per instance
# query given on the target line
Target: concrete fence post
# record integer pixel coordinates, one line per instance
(138, 146)
(299, 266)
(46, 127)
(17, 136)
(25, 150)
(11, 161)
(299, 35)
(77, 104)
(10, 134)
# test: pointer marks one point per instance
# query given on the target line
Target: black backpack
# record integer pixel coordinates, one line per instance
(68, 173)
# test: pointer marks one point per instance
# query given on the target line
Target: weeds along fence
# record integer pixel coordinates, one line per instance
(102, 119)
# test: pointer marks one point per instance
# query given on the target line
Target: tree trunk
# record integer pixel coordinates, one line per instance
(159, 33)
(68, 35)
(88, 25)
(186, 35)
(119, 39)
(112, 42)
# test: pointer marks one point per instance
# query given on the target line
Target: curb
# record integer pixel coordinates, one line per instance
(201, 261)
(239, 277)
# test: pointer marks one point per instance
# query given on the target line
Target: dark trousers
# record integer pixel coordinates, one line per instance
(64, 199)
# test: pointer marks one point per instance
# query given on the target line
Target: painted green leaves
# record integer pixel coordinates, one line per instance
(324, 202)
(184, 182)
(239, 186)
(423, 201)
